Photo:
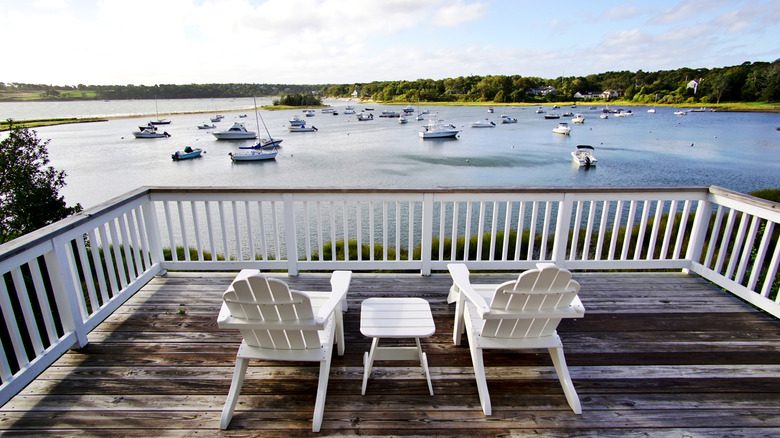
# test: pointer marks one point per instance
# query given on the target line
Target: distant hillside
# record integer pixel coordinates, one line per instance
(748, 82)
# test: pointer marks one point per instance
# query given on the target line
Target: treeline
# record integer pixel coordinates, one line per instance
(749, 82)
(298, 100)
(161, 91)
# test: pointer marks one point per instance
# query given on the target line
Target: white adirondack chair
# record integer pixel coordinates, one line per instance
(280, 324)
(521, 314)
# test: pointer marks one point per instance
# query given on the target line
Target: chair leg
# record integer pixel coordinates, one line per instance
(556, 353)
(479, 373)
(460, 304)
(235, 389)
(322, 389)
(339, 322)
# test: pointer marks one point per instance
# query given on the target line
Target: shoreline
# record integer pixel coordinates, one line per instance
(35, 123)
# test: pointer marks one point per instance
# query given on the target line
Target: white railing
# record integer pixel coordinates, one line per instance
(63, 280)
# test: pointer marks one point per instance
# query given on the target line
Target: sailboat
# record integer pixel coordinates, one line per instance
(256, 153)
(652, 110)
(157, 113)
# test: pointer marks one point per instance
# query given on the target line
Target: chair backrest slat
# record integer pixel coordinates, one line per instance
(546, 289)
(259, 299)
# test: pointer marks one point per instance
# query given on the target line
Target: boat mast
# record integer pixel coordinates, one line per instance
(257, 114)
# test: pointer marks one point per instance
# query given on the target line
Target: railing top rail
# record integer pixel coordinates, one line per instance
(470, 189)
(49, 232)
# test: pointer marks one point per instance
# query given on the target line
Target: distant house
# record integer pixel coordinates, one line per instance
(587, 95)
(610, 94)
(544, 91)
(356, 92)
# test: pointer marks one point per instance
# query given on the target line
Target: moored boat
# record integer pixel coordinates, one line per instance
(437, 129)
(207, 126)
(149, 132)
(186, 154)
(296, 121)
(562, 128)
(388, 113)
(552, 116)
(402, 119)
(363, 117)
(483, 124)
(578, 118)
(583, 156)
(302, 128)
(264, 143)
(507, 119)
(236, 132)
(253, 155)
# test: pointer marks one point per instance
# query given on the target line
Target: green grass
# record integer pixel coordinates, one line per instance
(5, 125)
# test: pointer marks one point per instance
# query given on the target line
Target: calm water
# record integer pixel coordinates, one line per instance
(739, 151)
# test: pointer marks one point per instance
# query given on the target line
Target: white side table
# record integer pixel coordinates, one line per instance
(395, 318)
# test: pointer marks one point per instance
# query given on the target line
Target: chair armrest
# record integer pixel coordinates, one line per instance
(339, 283)
(460, 276)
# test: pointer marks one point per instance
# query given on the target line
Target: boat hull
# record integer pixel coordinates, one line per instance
(181, 155)
(253, 156)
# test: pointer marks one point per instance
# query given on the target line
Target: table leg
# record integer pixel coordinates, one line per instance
(424, 363)
(368, 361)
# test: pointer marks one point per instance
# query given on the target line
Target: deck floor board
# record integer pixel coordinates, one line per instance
(658, 354)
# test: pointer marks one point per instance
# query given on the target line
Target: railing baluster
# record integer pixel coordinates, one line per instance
(397, 231)
(467, 234)
(760, 255)
(345, 226)
(747, 250)
(249, 233)
(237, 231)
(589, 231)
(210, 231)
(532, 229)
(183, 228)
(738, 242)
(771, 272)
(371, 225)
(681, 231)
(725, 240)
(507, 231)
(359, 229)
(23, 299)
(128, 259)
(629, 230)
(642, 228)
(575, 231)
(602, 231)
(117, 245)
(85, 268)
(12, 327)
(263, 242)
(670, 218)
(480, 229)
(454, 249)
(713, 237)
(659, 211)
(43, 299)
(223, 227)
(196, 229)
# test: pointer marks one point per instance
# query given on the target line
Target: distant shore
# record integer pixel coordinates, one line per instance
(723, 107)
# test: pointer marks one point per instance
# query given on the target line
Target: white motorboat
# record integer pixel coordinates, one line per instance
(186, 154)
(308, 112)
(349, 111)
(563, 128)
(540, 111)
(490, 110)
(583, 156)
(253, 155)
(483, 124)
(604, 116)
(402, 119)
(388, 113)
(363, 117)
(507, 119)
(264, 143)
(651, 111)
(236, 132)
(328, 110)
(681, 113)
(552, 116)
(149, 131)
(207, 126)
(296, 121)
(420, 117)
(302, 128)
(578, 118)
(437, 129)
(217, 118)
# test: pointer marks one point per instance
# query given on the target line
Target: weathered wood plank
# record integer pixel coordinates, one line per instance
(656, 354)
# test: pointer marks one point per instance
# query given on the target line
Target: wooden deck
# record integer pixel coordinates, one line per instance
(655, 355)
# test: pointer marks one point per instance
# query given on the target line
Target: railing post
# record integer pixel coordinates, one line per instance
(562, 227)
(63, 284)
(427, 234)
(153, 233)
(701, 223)
(290, 234)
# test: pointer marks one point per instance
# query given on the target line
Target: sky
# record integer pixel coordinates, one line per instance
(148, 42)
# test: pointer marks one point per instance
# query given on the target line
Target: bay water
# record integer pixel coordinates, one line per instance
(738, 151)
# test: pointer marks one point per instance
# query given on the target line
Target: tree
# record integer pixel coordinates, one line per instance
(29, 190)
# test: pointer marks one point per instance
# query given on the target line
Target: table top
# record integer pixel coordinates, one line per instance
(396, 318)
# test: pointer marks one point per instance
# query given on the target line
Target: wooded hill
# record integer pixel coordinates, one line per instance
(748, 82)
